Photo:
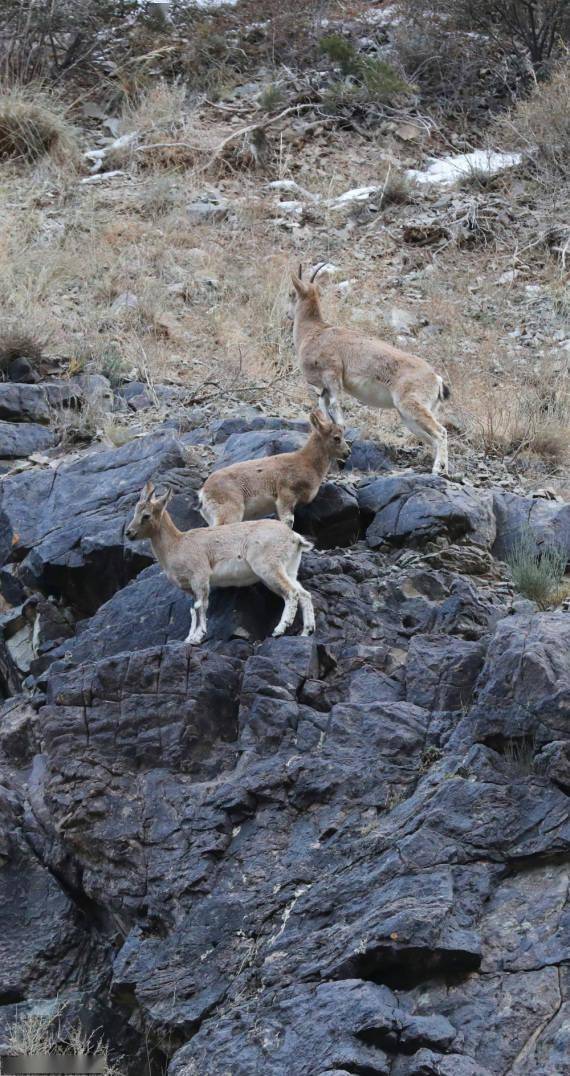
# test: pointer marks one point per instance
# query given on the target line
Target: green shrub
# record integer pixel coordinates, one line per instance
(373, 79)
(381, 80)
(341, 52)
(271, 98)
(537, 573)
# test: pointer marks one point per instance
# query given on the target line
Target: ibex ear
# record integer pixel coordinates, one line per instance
(161, 501)
(317, 420)
(300, 288)
(147, 492)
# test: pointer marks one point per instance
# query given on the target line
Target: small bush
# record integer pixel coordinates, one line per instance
(381, 80)
(33, 124)
(52, 1033)
(271, 98)
(540, 125)
(341, 52)
(367, 78)
(16, 343)
(537, 573)
(531, 30)
(396, 189)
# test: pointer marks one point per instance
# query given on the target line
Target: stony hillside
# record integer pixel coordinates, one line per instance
(343, 854)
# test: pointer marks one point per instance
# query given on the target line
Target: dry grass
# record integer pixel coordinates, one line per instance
(529, 420)
(18, 342)
(50, 1033)
(33, 123)
(540, 126)
(211, 297)
(538, 573)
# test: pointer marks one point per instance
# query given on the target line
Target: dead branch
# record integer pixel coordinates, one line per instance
(260, 125)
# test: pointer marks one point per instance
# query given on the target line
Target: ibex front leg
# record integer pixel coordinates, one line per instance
(198, 621)
(329, 399)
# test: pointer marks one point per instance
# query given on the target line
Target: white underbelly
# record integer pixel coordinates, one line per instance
(259, 506)
(369, 391)
(233, 573)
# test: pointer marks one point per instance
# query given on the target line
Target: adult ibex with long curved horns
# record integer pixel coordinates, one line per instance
(336, 359)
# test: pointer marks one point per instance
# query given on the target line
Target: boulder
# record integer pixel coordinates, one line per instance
(44, 943)
(414, 508)
(548, 521)
(151, 611)
(523, 692)
(257, 444)
(21, 439)
(208, 207)
(223, 428)
(23, 403)
(332, 519)
(441, 671)
(367, 456)
(66, 527)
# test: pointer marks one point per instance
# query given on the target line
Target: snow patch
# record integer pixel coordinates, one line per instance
(447, 170)
(358, 194)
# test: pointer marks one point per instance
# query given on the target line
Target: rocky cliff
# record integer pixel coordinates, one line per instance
(342, 854)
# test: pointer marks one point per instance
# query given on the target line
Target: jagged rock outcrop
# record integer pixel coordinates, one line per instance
(328, 855)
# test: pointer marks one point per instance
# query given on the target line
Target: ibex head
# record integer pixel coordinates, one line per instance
(147, 514)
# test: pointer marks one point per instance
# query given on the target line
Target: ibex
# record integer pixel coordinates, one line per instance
(334, 359)
(236, 555)
(276, 484)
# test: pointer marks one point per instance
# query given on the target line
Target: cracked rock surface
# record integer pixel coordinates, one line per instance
(345, 854)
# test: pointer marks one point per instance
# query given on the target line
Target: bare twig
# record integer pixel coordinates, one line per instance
(260, 125)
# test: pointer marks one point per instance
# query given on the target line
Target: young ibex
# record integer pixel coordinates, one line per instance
(236, 555)
(276, 484)
(334, 358)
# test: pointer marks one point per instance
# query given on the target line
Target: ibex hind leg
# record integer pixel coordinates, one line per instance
(278, 581)
(419, 419)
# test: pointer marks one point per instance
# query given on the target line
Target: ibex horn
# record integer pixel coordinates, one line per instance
(320, 266)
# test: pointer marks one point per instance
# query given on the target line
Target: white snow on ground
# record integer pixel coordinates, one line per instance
(212, 3)
(357, 194)
(447, 170)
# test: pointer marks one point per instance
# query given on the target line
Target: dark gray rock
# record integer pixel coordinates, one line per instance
(368, 457)
(222, 429)
(548, 521)
(258, 444)
(22, 371)
(332, 519)
(350, 1026)
(524, 688)
(19, 736)
(20, 439)
(429, 1063)
(67, 527)
(44, 945)
(441, 671)
(24, 403)
(151, 611)
(413, 508)
(328, 855)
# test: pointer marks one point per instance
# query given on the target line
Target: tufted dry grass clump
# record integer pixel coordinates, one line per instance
(17, 342)
(33, 124)
(540, 126)
(538, 574)
(50, 1032)
(525, 420)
